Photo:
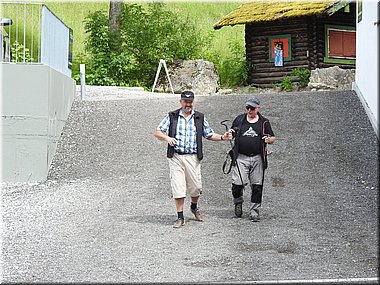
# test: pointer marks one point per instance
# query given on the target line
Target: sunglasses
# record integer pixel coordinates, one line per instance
(250, 108)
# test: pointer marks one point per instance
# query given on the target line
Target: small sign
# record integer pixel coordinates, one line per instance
(278, 54)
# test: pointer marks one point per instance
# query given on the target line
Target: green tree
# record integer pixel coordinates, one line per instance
(146, 36)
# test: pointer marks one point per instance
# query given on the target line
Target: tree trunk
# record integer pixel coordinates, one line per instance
(114, 24)
(115, 15)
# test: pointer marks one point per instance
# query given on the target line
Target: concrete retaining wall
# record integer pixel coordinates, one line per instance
(36, 101)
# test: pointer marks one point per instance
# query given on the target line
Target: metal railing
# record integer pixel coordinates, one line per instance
(32, 33)
(20, 32)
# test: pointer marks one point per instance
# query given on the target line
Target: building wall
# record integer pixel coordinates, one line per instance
(36, 101)
(366, 83)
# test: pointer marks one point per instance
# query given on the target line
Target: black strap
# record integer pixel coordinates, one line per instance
(230, 157)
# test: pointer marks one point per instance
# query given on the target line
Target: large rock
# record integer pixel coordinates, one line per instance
(199, 76)
(332, 78)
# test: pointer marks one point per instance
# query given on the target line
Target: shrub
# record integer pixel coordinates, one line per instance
(17, 52)
(233, 69)
(146, 36)
(303, 74)
(286, 84)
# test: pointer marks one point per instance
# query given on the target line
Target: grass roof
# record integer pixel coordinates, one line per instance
(267, 11)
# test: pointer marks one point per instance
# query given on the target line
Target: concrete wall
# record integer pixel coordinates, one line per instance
(366, 83)
(36, 101)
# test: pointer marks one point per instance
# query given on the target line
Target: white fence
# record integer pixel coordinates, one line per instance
(31, 33)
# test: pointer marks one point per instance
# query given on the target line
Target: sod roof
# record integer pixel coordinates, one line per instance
(268, 11)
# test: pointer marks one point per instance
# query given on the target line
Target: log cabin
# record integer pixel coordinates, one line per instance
(283, 35)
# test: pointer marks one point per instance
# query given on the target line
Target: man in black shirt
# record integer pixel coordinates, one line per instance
(252, 133)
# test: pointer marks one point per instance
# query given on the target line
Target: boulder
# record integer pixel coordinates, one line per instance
(332, 78)
(199, 76)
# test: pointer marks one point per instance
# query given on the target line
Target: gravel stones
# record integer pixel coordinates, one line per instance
(106, 214)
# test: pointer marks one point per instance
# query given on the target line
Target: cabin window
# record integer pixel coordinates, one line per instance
(283, 42)
(340, 44)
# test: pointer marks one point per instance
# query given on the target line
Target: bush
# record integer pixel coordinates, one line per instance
(286, 84)
(17, 53)
(232, 70)
(303, 74)
(146, 36)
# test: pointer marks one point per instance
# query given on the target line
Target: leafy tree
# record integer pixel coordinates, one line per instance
(146, 36)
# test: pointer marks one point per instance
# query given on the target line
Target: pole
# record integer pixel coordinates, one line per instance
(82, 68)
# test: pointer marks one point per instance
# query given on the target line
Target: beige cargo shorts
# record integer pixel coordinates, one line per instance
(185, 175)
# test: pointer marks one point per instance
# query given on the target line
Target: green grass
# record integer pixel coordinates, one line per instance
(204, 14)
(73, 14)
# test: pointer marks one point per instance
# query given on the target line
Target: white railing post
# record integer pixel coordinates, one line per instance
(82, 68)
(24, 41)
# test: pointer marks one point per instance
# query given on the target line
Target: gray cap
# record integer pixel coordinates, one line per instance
(252, 101)
(187, 95)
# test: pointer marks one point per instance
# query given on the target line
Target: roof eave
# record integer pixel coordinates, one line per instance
(337, 6)
(330, 10)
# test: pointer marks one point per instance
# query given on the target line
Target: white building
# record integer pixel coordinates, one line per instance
(366, 83)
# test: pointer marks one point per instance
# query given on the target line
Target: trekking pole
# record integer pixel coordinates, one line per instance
(232, 147)
(225, 125)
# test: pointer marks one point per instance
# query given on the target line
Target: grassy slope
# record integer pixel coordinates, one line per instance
(73, 14)
(205, 14)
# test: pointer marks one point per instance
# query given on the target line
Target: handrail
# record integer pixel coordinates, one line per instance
(36, 35)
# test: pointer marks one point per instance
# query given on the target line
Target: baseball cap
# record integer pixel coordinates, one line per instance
(252, 101)
(187, 95)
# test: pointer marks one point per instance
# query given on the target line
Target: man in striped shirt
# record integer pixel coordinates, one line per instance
(183, 130)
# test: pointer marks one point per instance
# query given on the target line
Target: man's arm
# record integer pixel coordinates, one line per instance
(164, 137)
(227, 136)
(162, 130)
(209, 134)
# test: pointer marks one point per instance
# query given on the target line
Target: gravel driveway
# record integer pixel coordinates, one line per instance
(106, 214)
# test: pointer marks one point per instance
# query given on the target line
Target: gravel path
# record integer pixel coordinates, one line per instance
(106, 215)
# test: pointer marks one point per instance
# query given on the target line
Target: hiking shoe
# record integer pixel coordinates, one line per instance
(179, 223)
(197, 214)
(255, 217)
(238, 210)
